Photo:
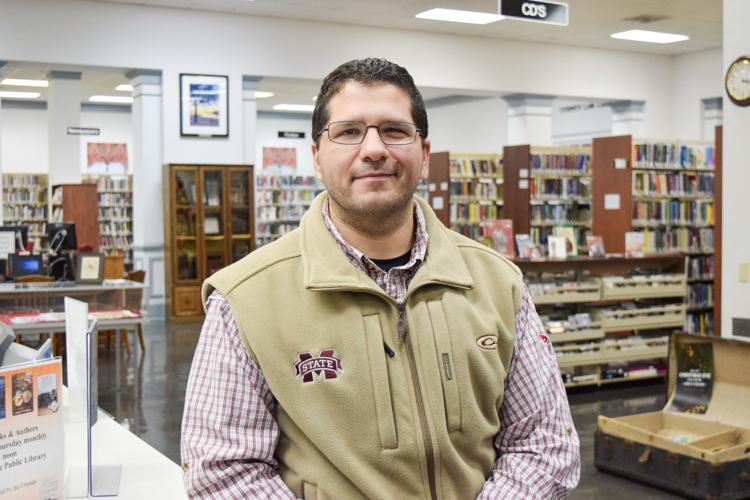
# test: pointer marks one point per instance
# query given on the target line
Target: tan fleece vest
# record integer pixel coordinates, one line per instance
(356, 422)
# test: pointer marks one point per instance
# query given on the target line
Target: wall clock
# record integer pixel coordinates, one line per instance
(737, 81)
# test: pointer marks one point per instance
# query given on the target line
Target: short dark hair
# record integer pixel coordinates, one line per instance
(370, 70)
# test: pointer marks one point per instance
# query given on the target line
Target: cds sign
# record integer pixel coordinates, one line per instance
(536, 11)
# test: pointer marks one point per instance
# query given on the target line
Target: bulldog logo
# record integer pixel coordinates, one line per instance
(326, 365)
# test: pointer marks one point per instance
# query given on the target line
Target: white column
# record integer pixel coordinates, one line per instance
(627, 118)
(529, 119)
(63, 111)
(2, 166)
(735, 292)
(712, 116)
(249, 118)
(148, 195)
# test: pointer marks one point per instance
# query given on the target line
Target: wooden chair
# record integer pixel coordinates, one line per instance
(133, 302)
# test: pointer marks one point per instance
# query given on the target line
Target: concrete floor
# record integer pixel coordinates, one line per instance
(153, 410)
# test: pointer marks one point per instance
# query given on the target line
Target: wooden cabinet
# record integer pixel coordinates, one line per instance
(209, 224)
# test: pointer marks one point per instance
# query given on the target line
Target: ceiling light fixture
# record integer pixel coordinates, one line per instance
(112, 99)
(308, 108)
(459, 16)
(262, 94)
(649, 36)
(9, 94)
(124, 87)
(21, 82)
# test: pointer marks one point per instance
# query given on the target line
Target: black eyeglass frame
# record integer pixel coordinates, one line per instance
(417, 132)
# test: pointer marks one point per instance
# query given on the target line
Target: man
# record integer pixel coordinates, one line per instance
(373, 353)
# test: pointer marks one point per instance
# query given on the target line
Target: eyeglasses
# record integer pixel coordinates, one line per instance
(353, 132)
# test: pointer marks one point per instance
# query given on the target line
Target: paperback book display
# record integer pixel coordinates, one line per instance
(32, 441)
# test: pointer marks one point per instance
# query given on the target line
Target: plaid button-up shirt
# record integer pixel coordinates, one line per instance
(229, 435)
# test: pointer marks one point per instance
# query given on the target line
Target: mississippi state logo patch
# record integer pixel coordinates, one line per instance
(326, 365)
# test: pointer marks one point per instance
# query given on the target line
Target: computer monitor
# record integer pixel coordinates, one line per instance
(61, 236)
(23, 265)
(22, 235)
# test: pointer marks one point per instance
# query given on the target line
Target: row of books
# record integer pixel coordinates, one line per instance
(701, 267)
(647, 183)
(239, 190)
(465, 167)
(114, 213)
(120, 242)
(700, 323)
(677, 240)
(559, 214)
(673, 212)
(24, 213)
(700, 295)
(111, 183)
(662, 155)
(112, 228)
(272, 230)
(286, 181)
(25, 181)
(31, 197)
(473, 212)
(291, 197)
(212, 187)
(488, 190)
(270, 213)
(115, 199)
(559, 187)
(576, 162)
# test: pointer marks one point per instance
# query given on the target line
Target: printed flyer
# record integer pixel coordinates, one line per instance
(695, 374)
(32, 443)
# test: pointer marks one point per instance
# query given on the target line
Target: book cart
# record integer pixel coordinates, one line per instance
(609, 318)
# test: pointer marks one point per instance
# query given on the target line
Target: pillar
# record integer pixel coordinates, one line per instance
(63, 111)
(711, 117)
(529, 119)
(627, 118)
(148, 195)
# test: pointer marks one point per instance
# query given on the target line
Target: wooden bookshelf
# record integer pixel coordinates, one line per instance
(438, 186)
(115, 196)
(208, 225)
(607, 180)
(516, 159)
(718, 200)
(76, 203)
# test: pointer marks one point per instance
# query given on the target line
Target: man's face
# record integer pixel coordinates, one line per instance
(370, 179)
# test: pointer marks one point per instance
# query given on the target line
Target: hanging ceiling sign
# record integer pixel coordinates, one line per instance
(83, 131)
(536, 11)
(291, 135)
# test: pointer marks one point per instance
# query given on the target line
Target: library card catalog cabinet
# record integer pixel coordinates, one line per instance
(209, 224)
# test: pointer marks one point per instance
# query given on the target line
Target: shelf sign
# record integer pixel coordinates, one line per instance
(291, 135)
(536, 11)
(83, 131)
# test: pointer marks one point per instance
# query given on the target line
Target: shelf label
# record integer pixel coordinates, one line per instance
(621, 163)
(523, 184)
(536, 11)
(523, 173)
(443, 186)
(612, 201)
(438, 203)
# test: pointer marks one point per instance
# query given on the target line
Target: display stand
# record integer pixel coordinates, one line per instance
(84, 479)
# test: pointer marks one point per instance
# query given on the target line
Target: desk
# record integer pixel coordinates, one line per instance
(146, 473)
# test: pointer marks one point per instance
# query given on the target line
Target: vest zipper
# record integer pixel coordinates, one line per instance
(429, 451)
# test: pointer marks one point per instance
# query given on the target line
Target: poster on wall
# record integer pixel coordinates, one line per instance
(280, 160)
(204, 108)
(106, 158)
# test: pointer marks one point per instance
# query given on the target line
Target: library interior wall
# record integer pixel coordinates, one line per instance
(735, 246)
(25, 146)
(477, 125)
(696, 76)
(267, 129)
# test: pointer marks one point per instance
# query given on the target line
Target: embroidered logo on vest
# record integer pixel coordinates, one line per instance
(326, 365)
(487, 342)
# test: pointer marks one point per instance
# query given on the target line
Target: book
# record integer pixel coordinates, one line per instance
(633, 244)
(501, 232)
(569, 233)
(595, 245)
(557, 247)
(527, 249)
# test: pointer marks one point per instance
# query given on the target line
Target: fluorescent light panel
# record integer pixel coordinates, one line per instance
(649, 36)
(9, 94)
(124, 87)
(21, 82)
(262, 94)
(113, 99)
(309, 108)
(459, 16)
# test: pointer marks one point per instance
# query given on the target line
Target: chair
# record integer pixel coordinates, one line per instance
(133, 301)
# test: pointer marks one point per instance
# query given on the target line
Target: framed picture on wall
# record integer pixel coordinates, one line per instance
(204, 105)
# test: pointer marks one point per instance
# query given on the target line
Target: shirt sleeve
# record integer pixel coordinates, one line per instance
(537, 447)
(229, 435)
